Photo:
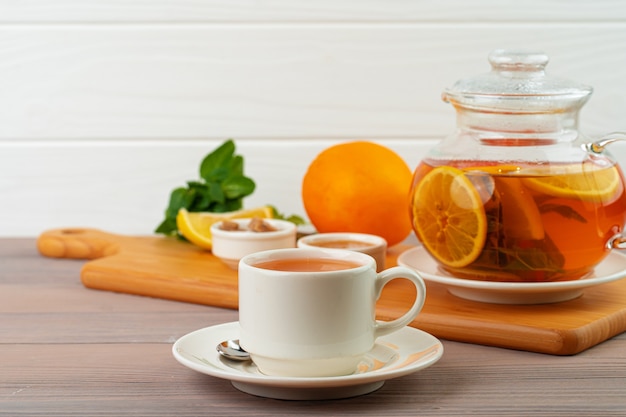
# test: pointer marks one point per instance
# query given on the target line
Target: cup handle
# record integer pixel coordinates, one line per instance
(382, 328)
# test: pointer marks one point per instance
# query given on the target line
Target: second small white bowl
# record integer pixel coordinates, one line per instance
(232, 245)
(373, 245)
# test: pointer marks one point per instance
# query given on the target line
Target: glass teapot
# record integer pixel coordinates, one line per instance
(516, 193)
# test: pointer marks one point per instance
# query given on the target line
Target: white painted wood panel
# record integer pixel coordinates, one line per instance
(170, 82)
(105, 106)
(123, 187)
(309, 11)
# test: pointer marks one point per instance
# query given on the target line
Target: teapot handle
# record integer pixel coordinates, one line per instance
(599, 145)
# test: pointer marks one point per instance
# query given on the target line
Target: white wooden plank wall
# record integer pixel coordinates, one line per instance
(107, 105)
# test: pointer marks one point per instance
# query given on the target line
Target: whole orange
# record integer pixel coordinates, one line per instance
(359, 187)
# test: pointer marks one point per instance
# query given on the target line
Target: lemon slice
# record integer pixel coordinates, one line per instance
(520, 215)
(449, 217)
(196, 226)
(586, 182)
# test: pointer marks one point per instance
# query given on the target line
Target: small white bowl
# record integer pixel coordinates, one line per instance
(373, 245)
(232, 245)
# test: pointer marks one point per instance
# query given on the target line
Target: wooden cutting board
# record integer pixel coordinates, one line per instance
(171, 269)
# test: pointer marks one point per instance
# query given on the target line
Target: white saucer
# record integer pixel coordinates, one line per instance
(612, 268)
(403, 352)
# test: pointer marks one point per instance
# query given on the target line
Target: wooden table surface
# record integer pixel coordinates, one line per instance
(66, 350)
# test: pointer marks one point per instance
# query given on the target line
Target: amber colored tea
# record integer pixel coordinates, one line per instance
(307, 264)
(543, 223)
(341, 244)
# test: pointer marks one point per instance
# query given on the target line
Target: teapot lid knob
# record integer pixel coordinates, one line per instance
(518, 60)
(517, 83)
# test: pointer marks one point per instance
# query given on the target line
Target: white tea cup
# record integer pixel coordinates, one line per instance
(311, 312)
(373, 245)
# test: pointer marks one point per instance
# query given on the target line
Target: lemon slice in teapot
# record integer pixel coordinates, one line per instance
(585, 181)
(449, 217)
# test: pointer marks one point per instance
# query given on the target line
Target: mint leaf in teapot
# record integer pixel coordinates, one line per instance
(565, 211)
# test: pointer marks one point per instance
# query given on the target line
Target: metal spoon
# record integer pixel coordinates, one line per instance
(230, 349)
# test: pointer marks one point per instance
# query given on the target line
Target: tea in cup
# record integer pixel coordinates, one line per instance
(373, 245)
(311, 312)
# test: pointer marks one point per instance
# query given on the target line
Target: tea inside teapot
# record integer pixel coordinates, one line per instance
(517, 193)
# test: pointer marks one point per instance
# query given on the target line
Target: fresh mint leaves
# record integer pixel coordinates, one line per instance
(221, 188)
(293, 218)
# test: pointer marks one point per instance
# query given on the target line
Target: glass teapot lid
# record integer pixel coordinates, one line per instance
(517, 83)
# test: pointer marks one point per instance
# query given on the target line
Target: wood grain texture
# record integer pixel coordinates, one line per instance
(90, 359)
(170, 269)
(157, 266)
(143, 379)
